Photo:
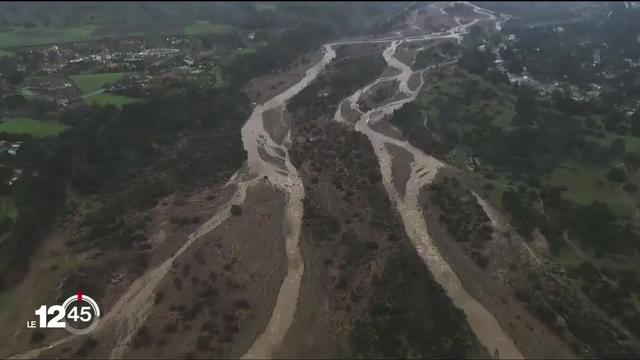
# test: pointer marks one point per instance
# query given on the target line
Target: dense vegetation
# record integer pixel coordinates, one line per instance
(392, 328)
(172, 141)
(463, 217)
(342, 78)
(563, 162)
(113, 163)
(24, 23)
(581, 52)
(284, 49)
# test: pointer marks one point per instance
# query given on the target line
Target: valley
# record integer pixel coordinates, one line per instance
(357, 201)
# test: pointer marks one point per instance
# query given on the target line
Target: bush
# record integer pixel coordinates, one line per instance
(37, 336)
(236, 210)
(171, 327)
(523, 295)
(372, 245)
(617, 174)
(158, 298)
(203, 343)
(488, 186)
(630, 187)
(86, 347)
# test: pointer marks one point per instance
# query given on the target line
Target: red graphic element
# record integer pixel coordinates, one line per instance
(79, 295)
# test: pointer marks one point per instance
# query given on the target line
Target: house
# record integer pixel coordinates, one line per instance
(596, 57)
(16, 175)
(13, 148)
(472, 163)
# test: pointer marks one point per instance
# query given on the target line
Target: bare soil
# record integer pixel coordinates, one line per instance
(54, 262)
(277, 161)
(357, 50)
(39, 287)
(390, 71)
(276, 123)
(384, 127)
(349, 114)
(401, 167)
(414, 81)
(229, 284)
(379, 94)
(405, 55)
(219, 294)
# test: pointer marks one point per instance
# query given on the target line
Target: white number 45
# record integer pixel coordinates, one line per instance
(85, 315)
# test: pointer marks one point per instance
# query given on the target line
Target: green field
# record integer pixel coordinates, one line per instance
(451, 84)
(458, 157)
(104, 99)
(631, 143)
(27, 93)
(20, 36)
(88, 83)
(5, 53)
(220, 82)
(7, 208)
(245, 51)
(32, 127)
(586, 185)
(93, 83)
(205, 27)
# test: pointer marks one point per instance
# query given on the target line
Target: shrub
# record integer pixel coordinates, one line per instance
(37, 336)
(617, 174)
(157, 299)
(236, 210)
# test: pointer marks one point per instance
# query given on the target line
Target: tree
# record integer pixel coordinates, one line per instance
(514, 63)
(635, 123)
(526, 105)
(595, 225)
(611, 121)
(621, 129)
(590, 123)
(5, 174)
(9, 70)
(617, 174)
(609, 99)
(618, 147)
(476, 61)
(236, 210)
